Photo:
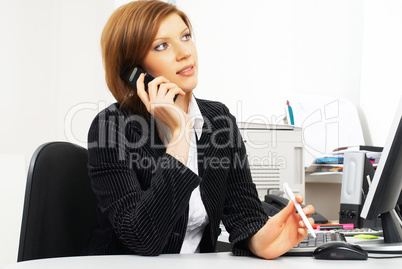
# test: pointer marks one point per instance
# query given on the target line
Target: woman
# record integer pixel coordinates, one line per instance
(167, 172)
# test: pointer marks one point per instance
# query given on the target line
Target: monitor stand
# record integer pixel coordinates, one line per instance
(391, 242)
(391, 226)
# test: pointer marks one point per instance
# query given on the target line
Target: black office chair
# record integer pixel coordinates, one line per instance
(60, 207)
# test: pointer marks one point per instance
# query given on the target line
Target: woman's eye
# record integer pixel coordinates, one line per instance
(186, 37)
(161, 46)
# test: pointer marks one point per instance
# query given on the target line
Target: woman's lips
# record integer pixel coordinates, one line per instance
(186, 71)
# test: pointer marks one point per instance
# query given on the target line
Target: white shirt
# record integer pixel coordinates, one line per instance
(197, 217)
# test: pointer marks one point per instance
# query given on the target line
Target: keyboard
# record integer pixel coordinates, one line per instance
(309, 244)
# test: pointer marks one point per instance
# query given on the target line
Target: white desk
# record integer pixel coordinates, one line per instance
(201, 261)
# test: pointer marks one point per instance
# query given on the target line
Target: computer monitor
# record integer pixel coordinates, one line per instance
(385, 189)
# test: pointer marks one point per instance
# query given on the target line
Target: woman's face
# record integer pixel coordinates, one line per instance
(173, 54)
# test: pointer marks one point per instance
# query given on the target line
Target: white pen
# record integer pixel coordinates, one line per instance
(292, 197)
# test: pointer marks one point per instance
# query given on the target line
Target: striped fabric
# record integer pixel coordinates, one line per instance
(144, 193)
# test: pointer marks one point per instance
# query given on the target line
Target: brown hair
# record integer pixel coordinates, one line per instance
(126, 39)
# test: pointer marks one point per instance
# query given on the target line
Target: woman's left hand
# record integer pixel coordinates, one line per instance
(281, 232)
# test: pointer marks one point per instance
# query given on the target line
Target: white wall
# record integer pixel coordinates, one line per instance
(50, 62)
(381, 80)
(253, 55)
(259, 52)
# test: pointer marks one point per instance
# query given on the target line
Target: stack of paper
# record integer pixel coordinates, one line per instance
(332, 163)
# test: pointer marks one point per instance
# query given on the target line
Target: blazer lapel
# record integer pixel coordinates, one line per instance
(205, 148)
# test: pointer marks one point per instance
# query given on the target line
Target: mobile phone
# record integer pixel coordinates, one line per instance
(292, 197)
(132, 74)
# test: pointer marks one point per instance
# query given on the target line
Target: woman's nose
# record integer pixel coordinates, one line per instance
(183, 52)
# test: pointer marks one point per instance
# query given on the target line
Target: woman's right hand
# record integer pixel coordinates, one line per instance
(159, 102)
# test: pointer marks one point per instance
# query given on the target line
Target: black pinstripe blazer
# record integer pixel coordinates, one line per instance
(144, 193)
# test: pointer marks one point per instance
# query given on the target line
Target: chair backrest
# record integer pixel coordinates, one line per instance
(60, 207)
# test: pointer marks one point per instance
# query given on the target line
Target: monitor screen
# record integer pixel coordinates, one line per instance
(385, 189)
